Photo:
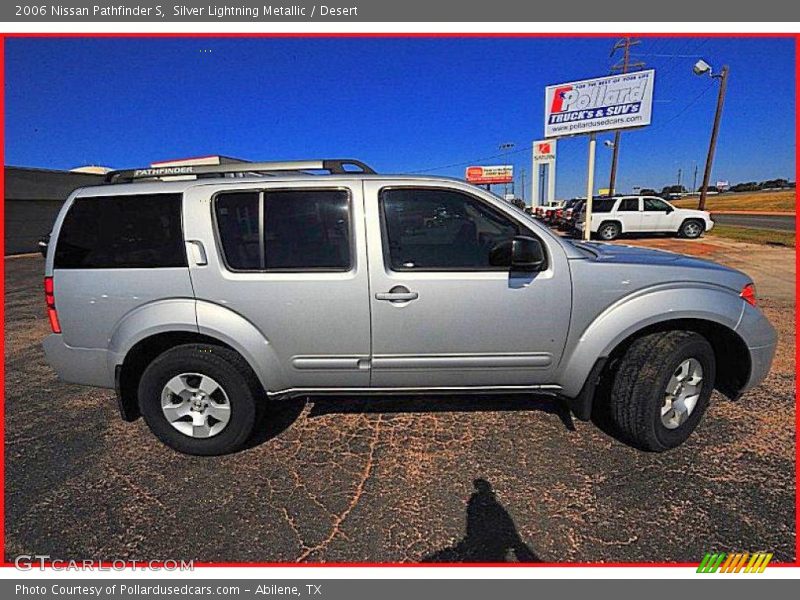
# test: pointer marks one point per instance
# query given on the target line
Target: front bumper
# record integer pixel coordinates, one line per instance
(761, 339)
(760, 364)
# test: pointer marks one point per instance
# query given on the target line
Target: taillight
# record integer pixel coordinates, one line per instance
(748, 294)
(50, 300)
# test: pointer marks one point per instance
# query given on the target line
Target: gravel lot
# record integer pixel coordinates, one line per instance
(396, 480)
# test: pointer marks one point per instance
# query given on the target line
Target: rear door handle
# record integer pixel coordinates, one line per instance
(398, 293)
(198, 252)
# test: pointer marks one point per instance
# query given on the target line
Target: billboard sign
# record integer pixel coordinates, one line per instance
(543, 182)
(544, 151)
(601, 104)
(491, 174)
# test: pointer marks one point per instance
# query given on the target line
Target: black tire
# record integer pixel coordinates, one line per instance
(227, 368)
(638, 390)
(608, 230)
(691, 229)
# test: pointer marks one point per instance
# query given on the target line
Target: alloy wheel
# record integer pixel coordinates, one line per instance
(196, 405)
(682, 393)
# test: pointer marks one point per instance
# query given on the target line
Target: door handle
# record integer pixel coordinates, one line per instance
(398, 293)
(198, 251)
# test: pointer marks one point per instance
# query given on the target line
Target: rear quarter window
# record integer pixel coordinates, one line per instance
(122, 232)
(603, 205)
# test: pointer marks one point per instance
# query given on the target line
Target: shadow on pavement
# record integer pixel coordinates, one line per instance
(324, 405)
(491, 535)
(279, 415)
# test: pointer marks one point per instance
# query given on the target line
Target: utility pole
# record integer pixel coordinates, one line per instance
(522, 182)
(723, 87)
(694, 179)
(624, 66)
(680, 173)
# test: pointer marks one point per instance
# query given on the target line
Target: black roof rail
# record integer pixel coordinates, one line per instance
(333, 166)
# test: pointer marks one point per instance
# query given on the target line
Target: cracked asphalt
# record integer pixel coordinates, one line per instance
(456, 479)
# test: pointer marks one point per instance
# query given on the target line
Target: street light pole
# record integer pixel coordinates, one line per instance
(723, 86)
(587, 223)
(506, 147)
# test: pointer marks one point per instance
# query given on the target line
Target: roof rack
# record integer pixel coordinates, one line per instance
(333, 166)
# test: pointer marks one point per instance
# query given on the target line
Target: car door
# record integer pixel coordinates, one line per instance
(655, 214)
(630, 213)
(291, 261)
(442, 314)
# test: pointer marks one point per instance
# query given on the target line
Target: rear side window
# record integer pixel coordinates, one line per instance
(285, 230)
(122, 232)
(629, 204)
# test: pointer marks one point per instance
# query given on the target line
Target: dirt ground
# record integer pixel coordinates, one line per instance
(767, 200)
(396, 480)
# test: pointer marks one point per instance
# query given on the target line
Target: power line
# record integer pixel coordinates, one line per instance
(674, 64)
(470, 162)
(685, 108)
(665, 55)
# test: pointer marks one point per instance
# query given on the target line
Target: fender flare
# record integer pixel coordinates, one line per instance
(613, 220)
(636, 312)
(196, 316)
(243, 336)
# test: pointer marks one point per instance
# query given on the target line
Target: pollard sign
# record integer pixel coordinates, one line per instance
(601, 104)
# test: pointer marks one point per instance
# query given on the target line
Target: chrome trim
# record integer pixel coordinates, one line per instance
(480, 389)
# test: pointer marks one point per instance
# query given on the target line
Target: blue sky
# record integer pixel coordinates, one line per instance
(399, 104)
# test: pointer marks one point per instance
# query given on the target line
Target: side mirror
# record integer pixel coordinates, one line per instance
(669, 209)
(527, 254)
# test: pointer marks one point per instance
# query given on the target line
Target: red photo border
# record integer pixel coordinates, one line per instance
(610, 35)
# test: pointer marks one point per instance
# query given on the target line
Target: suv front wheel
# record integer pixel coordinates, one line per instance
(691, 229)
(661, 389)
(200, 399)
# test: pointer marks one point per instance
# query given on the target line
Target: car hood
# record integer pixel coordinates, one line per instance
(693, 212)
(676, 266)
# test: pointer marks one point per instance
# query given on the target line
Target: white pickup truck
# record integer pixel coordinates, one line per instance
(643, 214)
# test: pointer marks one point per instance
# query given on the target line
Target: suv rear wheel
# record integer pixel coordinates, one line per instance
(661, 389)
(200, 399)
(608, 231)
(691, 229)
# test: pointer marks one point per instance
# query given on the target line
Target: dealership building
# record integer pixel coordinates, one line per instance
(34, 196)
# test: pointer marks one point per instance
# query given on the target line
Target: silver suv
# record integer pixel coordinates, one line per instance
(203, 294)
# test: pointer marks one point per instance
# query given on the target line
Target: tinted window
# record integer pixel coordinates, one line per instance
(302, 230)
(141, 231)
(603, 205)
(237, 223)
(654, 204)
(629, 204)
(431, 229)
(307, 229)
